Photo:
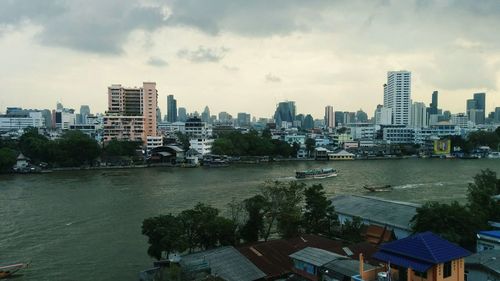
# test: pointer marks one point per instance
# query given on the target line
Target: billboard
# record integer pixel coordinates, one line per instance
(442, 147)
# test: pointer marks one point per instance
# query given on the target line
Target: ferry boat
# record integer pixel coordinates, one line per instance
(316, 173)
(9, 270)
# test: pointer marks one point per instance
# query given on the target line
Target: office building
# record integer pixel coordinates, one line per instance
(171, 109)
(361, 116)
(84, 114)
(433, 109)
(418, 118)
(329, 117)
(308, 122)
(383, 115)
(14, 122)
(182, 114)
(480, 99)
(205, 115)
(285, 112)
(244, 119)
(397, 96)
(339, 118)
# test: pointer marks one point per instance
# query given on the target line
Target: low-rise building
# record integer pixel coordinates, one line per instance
(202, 145)
(488, 240)
(20, 122)
(423, 256)
(393, 215)
(483, 266)
(341, 155)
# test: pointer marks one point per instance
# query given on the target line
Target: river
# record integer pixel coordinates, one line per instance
(86, 225)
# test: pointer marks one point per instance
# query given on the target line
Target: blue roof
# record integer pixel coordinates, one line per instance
(491, 233)
(420, 251)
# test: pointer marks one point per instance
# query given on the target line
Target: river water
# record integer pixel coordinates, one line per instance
(86, 225)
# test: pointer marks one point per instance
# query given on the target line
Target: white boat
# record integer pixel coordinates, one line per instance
(9, 270)
(494, 155)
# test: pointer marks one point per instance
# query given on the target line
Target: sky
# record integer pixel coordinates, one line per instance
(246, 56)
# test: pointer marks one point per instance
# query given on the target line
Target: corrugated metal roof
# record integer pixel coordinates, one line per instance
(315, 256)
(227, 263)
(346, 267)
(491, 233)
(385, 212)
(489, 259)
(420, 251)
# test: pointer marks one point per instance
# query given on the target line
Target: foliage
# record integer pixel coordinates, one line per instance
(75, 148)
(283, 208)
(310, 145)
(319, 216)
(453, 222)
(183, 139)
(481, 138)
(35, 146)
(480, 196)
(121, 148)
(7, 159)
(165, 235)
(253, 228)
(250, 144)
(351, 230)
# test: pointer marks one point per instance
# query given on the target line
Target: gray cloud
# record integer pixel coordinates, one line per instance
(203, 54)
(158, 62)
(272, 78)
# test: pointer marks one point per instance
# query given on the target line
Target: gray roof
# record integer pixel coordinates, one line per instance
(346, 266)
(175, 148)
(227, 263)
(489, 259)
(384, 212)
(315, 256)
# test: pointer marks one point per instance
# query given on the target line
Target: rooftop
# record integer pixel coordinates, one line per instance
(489, 259)
(346, 266)
(315, 256)
(491, 233)
(227, 263)
(420, 251)
(384, 212)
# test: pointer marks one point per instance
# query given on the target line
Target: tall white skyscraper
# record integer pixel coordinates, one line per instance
(397, 96)
(383, 115)
(418, 117)
(329, 117)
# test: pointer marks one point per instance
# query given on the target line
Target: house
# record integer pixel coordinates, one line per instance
(309, 261)
(483, 266)
(192, 157)
(488, 240)
(341, 155)
(272, 257)
(395, 216)
(22, 162)
(321, 153)
(224, 262)
(318, 264)
(423, 256)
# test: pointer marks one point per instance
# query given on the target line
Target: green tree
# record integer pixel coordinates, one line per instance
(254, 226)
(453, 222)
(283, 207)
(351, 230)
(35, 146)
(76, 148)
(480, 196)
(319, 216)
(7, 159)
(183, 139)
(165, 235)
(310, 145)
(121, 148)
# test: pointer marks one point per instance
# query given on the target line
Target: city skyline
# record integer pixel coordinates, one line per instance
(316, 54)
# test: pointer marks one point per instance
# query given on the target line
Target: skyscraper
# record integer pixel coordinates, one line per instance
(383, 115)
(480, 99)
(308, 122)
(339, 118)
(182, 114)
(244, 119)
(84, 113)
(205, 115)
(418, 117)
(397, 96)
(285, 112)
(329, 117)
(171, 109)
(361, 116)
(433, 109)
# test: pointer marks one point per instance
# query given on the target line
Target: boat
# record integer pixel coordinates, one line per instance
(216, 163)
(9, 270)
(380, 188)
(494, 155)
(316, 173)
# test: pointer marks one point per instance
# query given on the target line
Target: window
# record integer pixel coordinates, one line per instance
(447, 269)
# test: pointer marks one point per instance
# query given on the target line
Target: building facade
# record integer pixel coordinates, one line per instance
(397, 96)
(171, 109)
(329, 117)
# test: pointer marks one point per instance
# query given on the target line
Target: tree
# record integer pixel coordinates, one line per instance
(35, 146)
(351, 230)
(165, 235)
(121, 148)
(183, 139)
(310, 145)
(283, 206)
(7, 159)
(480, 196)
(319, 216)
(76, 148)
(453, 222)
(252, 229)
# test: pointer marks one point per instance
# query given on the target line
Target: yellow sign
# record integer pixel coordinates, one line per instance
(442, 147)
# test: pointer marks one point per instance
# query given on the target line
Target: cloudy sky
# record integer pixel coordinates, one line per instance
(245, 56)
